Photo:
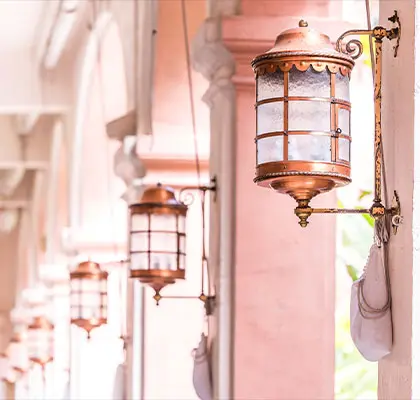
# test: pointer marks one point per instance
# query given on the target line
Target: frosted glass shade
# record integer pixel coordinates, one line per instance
(89, 300)
(309, 83)
(309, 116)
(270, 149)
(41, 341)
(7, 373)
(309, 148)
(18, 356)
(157, 241)
(305, 115)
(270, 85)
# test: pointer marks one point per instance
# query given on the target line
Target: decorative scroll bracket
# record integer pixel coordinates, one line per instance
(354, 48)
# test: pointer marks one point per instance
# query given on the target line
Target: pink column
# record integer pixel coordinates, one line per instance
(284, 277)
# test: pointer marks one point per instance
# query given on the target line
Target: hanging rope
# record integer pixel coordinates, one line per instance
(191, 93)
(204, 262)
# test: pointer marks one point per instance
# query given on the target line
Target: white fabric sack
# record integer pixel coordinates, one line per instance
(370, 312)
(201, 371)
(118, 391)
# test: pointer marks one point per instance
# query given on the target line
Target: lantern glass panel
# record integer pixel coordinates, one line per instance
(139, 261)
(162, 241)
(40, 343)
(164, 261)
(342, 87)
(181, 261)
(163, 222)
(140, 222)
(18, 355)
(140, 241)
(270, 117)
(310, 147)
(344, 149)
(309, 116)
(270, 149)
(344, 121)
(309, 83)
(270, 85)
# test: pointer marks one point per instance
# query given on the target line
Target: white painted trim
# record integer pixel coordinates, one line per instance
(24, 109)
(52, 191)
(216, 63)
(84, 85)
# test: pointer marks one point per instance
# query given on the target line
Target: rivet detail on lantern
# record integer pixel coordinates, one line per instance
(88, 296)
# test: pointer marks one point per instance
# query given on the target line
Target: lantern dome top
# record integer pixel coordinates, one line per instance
(305, 45)
(88, 269)
(17, 337)
(41, 322)
(160, 200)
(159, 194)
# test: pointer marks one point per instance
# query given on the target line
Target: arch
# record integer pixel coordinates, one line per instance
(89, 62)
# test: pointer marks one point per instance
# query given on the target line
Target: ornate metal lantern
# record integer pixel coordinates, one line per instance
(18, 353)
(41, 341)
(89, 294)
(157, 238)
(303, 115)
(7, 373)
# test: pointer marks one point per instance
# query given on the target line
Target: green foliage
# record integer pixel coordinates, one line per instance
(352, 272)
(355, 378)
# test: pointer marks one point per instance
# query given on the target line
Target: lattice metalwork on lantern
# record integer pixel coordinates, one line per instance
(157, 231)
(41, 341)
(157, 238)
(303, 115)
(89, 296)
(303, 110)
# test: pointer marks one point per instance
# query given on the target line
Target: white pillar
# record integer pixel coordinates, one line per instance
(398, 373)
(215, 62)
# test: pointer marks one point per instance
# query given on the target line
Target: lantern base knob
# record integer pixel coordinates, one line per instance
(303, 212)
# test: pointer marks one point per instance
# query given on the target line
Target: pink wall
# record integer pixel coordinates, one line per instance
(284, 277)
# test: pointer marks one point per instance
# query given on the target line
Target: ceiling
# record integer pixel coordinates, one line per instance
(19, 22)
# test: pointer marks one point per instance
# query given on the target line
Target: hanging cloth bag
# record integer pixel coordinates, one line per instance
(202, 371)
(370, 304)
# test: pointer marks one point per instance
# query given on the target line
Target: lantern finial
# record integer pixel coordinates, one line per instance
(303, 24)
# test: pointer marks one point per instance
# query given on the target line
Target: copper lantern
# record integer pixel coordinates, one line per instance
(41, 341)
(157, 238)
(88, 296)
(18, 353)
(303, 115)
(7, 373)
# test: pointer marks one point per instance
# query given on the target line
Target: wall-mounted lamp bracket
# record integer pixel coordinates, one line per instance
(354, 49)
(186, 196)
(209, 301)
(377, 211)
